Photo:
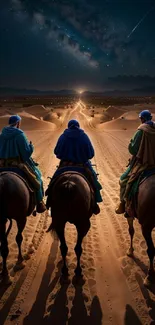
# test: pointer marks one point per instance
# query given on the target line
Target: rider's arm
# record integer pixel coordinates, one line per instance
(58, 147)
(135, 143)
(25, 148)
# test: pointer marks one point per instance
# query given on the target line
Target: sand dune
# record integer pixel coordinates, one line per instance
(25, 114)
(128, 120)
(109, 114)
(114, 112)
(119, 124)
(4, 111)
(4, 120)
(121, 118)
(131, 116)
(52, 117)
(36, 110)
(29, 122)
(130, 112)
(35, 117)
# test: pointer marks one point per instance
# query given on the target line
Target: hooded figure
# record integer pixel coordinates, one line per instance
(142, 149)
(14, 144)
(75, 146)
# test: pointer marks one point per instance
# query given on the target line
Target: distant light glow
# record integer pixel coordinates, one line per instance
(80, 91)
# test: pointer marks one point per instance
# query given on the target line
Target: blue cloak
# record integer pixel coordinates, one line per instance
(13, 144)
(74, 145)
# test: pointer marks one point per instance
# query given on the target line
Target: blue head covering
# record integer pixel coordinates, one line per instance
(73, 124)
(146, 115)
(14, 119)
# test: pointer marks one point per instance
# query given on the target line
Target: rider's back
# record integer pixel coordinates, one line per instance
(146, 152)
(13, 144)
(75, 146)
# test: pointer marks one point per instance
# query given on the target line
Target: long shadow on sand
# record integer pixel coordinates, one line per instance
(58, 311)
(79, 314)
(141, 264)
(38, 309)
(145, 291)
(131, 317)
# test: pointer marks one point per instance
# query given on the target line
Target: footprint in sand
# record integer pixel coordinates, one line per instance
(143, 244)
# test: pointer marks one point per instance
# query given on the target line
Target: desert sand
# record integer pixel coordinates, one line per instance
(112, 290)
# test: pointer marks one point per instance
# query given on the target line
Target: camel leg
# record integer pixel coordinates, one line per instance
(131, 232)
(151, 253)
(82, 231)
(63, 248)
(4, 252)
(19, 238)
(4, 248)
(78, 251)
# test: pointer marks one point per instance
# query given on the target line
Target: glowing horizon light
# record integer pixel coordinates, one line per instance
(80, 91)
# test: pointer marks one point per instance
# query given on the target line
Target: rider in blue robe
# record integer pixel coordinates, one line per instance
(75, 146)
(14, 144)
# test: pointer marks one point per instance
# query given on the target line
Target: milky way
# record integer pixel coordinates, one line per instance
(79, 43)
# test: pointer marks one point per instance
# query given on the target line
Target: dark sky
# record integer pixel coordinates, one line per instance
(80, 44)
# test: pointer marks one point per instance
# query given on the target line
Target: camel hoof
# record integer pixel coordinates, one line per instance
(19, 266)
(5, 279)
(130, 252)
(78, 271)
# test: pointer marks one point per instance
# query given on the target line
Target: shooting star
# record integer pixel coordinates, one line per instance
(141, 20)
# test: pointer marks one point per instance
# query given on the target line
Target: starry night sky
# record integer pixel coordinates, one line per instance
(80, 44)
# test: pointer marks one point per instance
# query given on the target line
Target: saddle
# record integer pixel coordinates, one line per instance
(23, 169)
(21, 175)
(132, 198)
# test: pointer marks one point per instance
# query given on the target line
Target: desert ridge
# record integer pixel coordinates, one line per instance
(119, 118)
(35, 117)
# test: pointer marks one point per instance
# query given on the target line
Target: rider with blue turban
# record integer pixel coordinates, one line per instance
(14, 144)
(142, 149)
(75, 146)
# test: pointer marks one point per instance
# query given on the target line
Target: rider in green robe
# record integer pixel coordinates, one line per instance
(141, 147)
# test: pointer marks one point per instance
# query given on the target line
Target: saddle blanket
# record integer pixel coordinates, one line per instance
(62, 170)
(131, 202)
(135, 186)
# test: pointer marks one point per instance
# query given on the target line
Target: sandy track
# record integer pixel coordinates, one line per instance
(112, 290)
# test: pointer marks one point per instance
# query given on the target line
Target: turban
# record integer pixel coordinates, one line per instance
(14, 119)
